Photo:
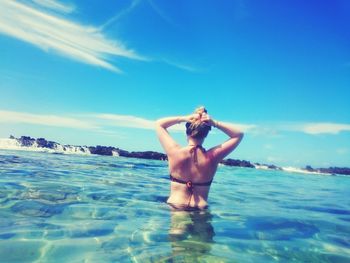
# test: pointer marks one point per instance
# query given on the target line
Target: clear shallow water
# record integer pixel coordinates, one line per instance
(67, 208)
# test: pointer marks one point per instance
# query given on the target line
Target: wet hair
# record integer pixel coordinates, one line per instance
(198, 129)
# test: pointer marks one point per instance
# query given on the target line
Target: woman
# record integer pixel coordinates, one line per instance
(192, 168)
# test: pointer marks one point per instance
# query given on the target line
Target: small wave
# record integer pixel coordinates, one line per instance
(299, 170)
(10, 144)
(14, 144)
(263, 167)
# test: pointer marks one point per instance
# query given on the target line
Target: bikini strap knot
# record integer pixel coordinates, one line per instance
(189, 185)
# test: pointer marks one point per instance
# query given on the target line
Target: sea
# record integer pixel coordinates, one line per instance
(90, 208)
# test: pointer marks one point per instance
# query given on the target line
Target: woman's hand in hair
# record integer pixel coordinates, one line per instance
(207, 119)
(192, 117)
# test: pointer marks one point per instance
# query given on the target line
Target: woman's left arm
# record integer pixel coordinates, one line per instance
(168, 143)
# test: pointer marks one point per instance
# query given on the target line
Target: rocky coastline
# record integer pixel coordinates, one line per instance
(330, 170)
(27, 141)
(41, 143)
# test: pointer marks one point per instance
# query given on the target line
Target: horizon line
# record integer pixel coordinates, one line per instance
(255, 164)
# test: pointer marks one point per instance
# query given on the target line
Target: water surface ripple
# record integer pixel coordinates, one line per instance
(68, 208)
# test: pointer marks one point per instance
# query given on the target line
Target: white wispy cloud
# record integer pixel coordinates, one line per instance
(55, 5)
(82, 43)
(125, 121)
(319, 128)
(245, 127)
(93, 122)
(120, 14)
(180, 65)
(333, 128)
(45, 120)
(103, 122)
(130, 121)
(141, 123)
(161, 13)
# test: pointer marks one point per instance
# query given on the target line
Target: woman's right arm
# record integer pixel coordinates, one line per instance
(168, 143)
(220, 151)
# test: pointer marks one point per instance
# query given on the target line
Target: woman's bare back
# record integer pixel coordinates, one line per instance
(191, 164)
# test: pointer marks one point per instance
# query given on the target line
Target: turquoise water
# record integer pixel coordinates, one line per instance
(67, 208)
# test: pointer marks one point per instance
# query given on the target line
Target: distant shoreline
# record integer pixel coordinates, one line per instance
(41, 144)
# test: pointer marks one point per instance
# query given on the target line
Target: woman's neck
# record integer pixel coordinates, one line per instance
(194, 142)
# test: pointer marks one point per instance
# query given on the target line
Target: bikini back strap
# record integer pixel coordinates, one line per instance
(194, 151)
(186, 182)
(203, 184)
(189, 184)
(177, 180)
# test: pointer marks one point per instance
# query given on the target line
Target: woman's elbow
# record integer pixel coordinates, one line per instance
(158, 123)
(240, 135)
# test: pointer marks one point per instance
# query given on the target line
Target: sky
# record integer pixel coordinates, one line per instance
(101, 72)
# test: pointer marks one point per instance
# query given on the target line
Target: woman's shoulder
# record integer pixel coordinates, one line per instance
(179, 152)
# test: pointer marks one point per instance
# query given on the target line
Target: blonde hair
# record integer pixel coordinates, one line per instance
(196, 128)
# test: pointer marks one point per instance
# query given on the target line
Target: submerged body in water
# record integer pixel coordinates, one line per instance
(69, 208)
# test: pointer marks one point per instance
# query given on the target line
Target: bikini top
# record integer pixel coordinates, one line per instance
(189, 183)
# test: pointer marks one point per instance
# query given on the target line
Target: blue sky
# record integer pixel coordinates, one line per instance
(87, 73)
